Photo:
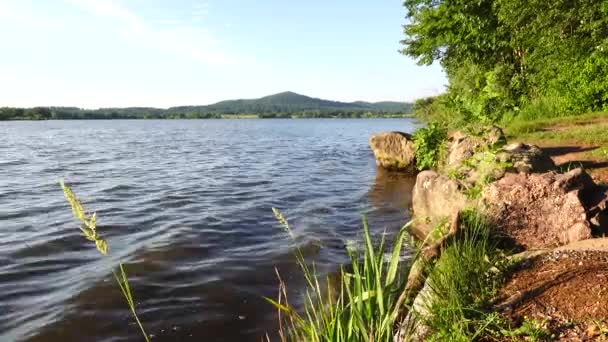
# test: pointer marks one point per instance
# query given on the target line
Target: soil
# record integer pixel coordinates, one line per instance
(567, 157)
(566, 290)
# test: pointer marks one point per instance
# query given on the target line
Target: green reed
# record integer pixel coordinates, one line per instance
(364, 307)
(88, 226)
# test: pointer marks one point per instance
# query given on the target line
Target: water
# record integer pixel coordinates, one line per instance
(187, 206)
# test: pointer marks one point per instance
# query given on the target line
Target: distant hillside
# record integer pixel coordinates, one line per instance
(290, 102)
(282, 105)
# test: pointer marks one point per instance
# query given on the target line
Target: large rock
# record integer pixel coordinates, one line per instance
(527, 158)
(481, 168)
(434, 200)
(394, 151)
(540, 210)
(463, 145)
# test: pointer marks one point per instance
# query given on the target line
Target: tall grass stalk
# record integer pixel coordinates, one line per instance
(362, 307)
(88, 226)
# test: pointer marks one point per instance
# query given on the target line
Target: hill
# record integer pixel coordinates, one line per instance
(282, 105)
(293, 103)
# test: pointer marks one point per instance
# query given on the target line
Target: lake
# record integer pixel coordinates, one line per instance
(186, 205)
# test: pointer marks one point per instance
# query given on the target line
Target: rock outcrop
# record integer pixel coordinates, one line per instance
(540, 210)
(435, 198)
(463, 145)
(526, 158)
(394, 151)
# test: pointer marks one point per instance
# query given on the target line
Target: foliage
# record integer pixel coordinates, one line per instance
(464, 281)
(363, 308)
(534, 330)
(88, 226)
(429, 142)
(511, 58)
(486, 166)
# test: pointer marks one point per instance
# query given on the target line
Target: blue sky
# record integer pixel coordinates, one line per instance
(103, 53)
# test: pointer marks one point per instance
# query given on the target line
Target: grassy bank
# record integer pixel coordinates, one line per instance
(372, 301)
(572, 141)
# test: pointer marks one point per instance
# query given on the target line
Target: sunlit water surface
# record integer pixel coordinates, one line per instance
(187, 206)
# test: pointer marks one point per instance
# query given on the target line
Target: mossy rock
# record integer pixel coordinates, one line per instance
(394, 151)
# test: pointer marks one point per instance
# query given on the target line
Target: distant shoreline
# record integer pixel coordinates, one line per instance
(224, 117)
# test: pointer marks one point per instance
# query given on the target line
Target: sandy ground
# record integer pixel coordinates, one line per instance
(565, 289)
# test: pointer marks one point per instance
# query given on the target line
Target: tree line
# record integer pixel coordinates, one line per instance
(71, 113)
(508, 59)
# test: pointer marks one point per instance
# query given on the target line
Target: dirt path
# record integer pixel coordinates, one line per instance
(565, 290)
(580, 141)
(569, 157)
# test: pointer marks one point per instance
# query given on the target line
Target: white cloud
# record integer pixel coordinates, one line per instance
(113, 9)
(178, 38)
(15, 13)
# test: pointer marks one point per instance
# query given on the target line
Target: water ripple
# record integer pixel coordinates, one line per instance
(186, 205)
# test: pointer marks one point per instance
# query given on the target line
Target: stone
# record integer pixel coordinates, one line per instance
(526, 158)
(540, 210)
(394, 151)
(463, 145)
(413, 328)
(435, 199)
(481, 168)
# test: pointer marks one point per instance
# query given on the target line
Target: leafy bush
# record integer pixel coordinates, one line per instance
(429, 142)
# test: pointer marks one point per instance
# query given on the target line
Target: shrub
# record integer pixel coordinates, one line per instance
(429, 142)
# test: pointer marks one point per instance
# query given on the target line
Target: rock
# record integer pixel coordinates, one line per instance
(481, 168)
(394, 151)
(526, 158)
(412, 327)
(596, 202)
(463, 145)
(540, 210)
(435, 199)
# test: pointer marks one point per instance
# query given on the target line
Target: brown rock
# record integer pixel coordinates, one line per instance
(394, 151)
(434, 200)
(540, 210)
(463, 145)
(528, 158)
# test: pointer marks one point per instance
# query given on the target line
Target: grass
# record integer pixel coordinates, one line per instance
(464, 282)
(364, 307)
(533, 330)
(517, 126)
(583, 130)
(585, 135)
(240, 116)
(88, 226)
(367, 303)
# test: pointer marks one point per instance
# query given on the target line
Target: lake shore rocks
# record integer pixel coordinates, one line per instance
(434, 199)
(526, 158)
(540, 210)
(516, 186)
(394, 151)
(462, 145)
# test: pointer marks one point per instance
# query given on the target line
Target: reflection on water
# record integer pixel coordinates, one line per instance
(392, 190)
(186, 205)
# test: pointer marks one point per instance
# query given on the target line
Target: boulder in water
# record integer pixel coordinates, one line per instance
(394, 151)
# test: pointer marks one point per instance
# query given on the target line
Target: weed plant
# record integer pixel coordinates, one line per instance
(88, 226)
(364, 307)
(464, 281)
